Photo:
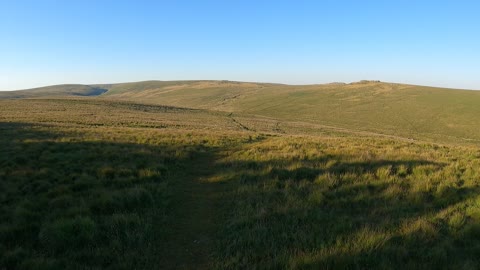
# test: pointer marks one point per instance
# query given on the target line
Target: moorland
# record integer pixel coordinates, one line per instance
(231, 175)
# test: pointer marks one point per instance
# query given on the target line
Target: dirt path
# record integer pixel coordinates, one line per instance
(195, 216)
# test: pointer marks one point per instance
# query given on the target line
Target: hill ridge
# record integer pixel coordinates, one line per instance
(410, 111)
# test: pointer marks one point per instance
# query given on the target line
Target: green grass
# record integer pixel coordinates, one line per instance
(70, 201)
(330, 203)
(102, 184)
(409, 111)
(63, 90)
(424, 113)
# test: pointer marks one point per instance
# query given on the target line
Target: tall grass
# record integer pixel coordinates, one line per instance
(166, 188)
(343, 203)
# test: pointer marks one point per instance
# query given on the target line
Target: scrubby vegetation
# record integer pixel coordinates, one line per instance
(330, 203)
(81, 200)
(94, 184)
(409, 111)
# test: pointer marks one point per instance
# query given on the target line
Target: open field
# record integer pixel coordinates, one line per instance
(239, 135)
(107, 183)
(402, 110)
(409, 111)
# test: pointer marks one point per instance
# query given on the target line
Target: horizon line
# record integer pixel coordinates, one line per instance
(237, 81)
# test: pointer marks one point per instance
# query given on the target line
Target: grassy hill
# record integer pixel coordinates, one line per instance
(63, 90)
(108, 184)
(403, 110)
(409, 111)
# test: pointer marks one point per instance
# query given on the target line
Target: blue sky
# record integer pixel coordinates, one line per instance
(299, 42)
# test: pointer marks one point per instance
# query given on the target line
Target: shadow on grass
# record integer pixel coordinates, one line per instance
(347, 215)
(276, 168)
(73, 203)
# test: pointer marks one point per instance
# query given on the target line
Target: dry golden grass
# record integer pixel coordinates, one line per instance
(89, 183)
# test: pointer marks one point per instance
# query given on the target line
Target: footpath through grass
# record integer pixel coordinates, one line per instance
(161, 189)
(103, 198)
(195, 216)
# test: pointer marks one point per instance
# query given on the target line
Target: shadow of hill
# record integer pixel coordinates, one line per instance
(347, 215)
(276, 168)
(73, 203)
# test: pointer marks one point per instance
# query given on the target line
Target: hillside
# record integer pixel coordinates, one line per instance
(104, 184)
(404, 110)
(409, 111)
(56, 91)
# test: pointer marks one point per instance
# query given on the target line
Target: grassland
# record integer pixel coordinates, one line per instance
(408, 111)
(418, 112)
(64, 90)
(106, 183)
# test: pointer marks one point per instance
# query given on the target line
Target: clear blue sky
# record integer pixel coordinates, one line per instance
(101, 41)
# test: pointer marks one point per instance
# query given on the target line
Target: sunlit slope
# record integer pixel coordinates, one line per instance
(403, 110)
(408, 111)
(94, 184)
(57, 91)
(217, 95)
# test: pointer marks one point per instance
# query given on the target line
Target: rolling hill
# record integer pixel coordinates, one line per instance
(262, 176)
(62, 90)
(409, 111)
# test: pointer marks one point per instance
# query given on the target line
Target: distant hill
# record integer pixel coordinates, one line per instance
(57, 91)
(408, 111)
